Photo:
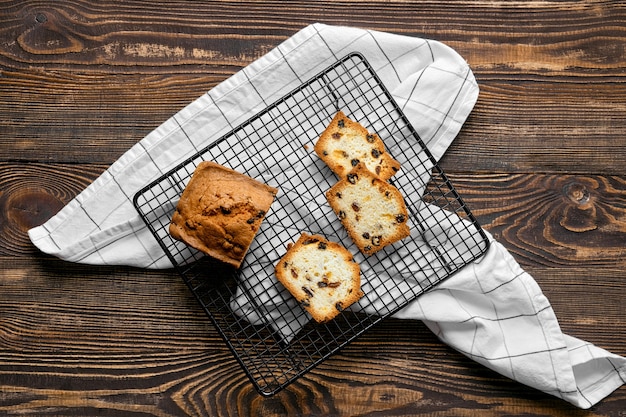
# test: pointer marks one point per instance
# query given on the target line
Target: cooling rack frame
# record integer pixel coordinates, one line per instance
(269, 334)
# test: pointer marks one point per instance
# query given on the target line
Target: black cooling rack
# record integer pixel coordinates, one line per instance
(267, 331)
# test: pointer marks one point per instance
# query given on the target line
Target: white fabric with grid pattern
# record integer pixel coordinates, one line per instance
(492, 311)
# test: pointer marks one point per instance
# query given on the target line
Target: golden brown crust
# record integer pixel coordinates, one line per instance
(220, 212)
(345, 143)
(321, 275)
(372, 210)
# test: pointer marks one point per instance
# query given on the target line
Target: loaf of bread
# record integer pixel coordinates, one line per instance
(220, 212)
(372, 210)
(321, 275)
(345, 143)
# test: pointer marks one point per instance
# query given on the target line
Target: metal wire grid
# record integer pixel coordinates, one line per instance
(267, 331)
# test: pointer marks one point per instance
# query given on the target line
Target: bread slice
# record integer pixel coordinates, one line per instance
(220, 211)
(372, 210)
(321, 275)
(345, 143)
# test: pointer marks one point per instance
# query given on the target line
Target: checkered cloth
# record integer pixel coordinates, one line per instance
(492, 311)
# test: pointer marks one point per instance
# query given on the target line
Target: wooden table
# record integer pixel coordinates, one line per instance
(540, 161)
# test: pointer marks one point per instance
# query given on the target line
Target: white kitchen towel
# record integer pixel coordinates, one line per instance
(485, 311)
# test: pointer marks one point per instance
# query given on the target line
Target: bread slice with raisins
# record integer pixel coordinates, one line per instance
(345, 143)
(372, 210)
(321, 275)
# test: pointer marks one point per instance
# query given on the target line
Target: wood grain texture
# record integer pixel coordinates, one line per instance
(131, 341)
(120, 74)
(543, 127)
(540, 162)
(32, 193)
(552, 219)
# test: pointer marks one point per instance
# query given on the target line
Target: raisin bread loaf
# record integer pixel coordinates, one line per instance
(220, 212)
(345, 143)
(372, 210)
(321, 275)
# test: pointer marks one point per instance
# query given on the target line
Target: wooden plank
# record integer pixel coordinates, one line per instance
(545, 219)
(86, 308)
(540, 126)
(109, 337)
(32, 193)
(550, 219)
(54, 117)
(522, 37)
(115, 80)
(543, 126)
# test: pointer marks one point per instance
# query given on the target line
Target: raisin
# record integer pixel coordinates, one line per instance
(341, 214)
(225, 210)
(400, 218)
(341, 123)
(258, 216)
(294, 273)
(325, 152)
(376, 240)
(338, 306)
(378, 170)
(352, 178)
(355, 206)
(336, 135)
(322, 284)
(310, 241)
(321, 245)
(367, 248)
(354, 162)
(305, 303)
(334, 284)
(338, 194)
(370, 138)
(366, 235)
(376, 153)
(307, 291)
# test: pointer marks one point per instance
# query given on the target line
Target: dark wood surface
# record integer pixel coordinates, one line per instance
(540, 161)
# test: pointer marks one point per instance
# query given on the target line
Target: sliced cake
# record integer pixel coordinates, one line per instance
(346, 143)
(321, 275)
(372, 210)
